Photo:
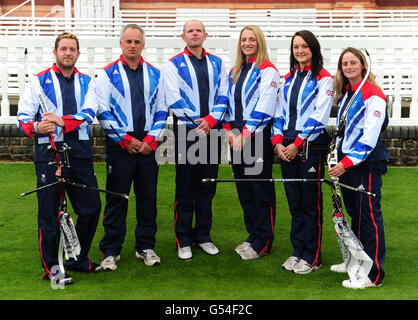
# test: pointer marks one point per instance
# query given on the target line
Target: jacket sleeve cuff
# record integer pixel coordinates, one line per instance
(278, 138)
(347, 163)
(298, 141)
(151, 141)
(211, 121)
(70, 124)
(126, 140)
(29, 128)
(245, 133)
(227, 126)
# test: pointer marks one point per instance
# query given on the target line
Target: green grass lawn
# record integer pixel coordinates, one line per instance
(223, 277)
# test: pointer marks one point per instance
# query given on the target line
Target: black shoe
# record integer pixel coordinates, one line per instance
(94, 268)
(58, 279)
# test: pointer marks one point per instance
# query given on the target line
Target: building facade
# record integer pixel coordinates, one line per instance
(56, 9)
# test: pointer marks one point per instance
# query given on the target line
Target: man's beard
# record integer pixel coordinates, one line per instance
(65, 65)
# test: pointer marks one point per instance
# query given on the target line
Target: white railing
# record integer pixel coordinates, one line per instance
(276, 23)
(394, 61)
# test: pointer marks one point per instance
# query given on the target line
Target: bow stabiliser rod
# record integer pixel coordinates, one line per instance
(327, 181)
(79, 185)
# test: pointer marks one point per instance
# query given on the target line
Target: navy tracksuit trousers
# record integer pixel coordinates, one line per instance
(123, 169)
(193, 198)
(305, 205)
(258, 199)
(366, 214)
(85, 202)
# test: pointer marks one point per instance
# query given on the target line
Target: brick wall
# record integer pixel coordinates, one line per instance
(402, 143)
(245, 4)
(401, 4)
(43, 7)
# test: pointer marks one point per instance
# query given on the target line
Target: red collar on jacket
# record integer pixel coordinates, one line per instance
(355, 86)
(56, 70)
(125, 63)
(186, 51)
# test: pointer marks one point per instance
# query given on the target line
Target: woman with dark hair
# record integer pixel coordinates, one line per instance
(362, 159)
(314, 47)
(301, 141)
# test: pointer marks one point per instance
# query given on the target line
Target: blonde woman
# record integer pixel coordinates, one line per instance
(362, 159)
(253, 85)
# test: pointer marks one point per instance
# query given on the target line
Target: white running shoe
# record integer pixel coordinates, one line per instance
(360, 284)
(290, 263)
(250, 254)
(242, 247)
(149, 256)
(303, 267)
(209, 248)
(110, 263)
(185, 253)
(341, 268)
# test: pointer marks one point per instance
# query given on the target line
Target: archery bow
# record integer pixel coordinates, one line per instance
(68, 237)
(69, 242)
(358, 263)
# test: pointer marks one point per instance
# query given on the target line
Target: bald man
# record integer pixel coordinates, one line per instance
(195, 89)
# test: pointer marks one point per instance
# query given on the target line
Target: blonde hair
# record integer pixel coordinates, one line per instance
(262, 54)
(341, 81)
(66, 35)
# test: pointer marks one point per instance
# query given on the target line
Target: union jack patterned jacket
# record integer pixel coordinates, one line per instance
(258, 97)
(181, 89)
(29, 111)
(115, 107)
(365, 120)
(314, 104)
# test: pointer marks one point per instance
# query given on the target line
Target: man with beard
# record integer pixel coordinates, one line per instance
(72, 104)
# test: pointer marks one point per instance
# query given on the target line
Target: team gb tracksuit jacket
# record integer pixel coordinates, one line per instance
(181, 94)
(30, 112)
(314, 102)
(365, 119)
(259, 92)
(116, 118)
